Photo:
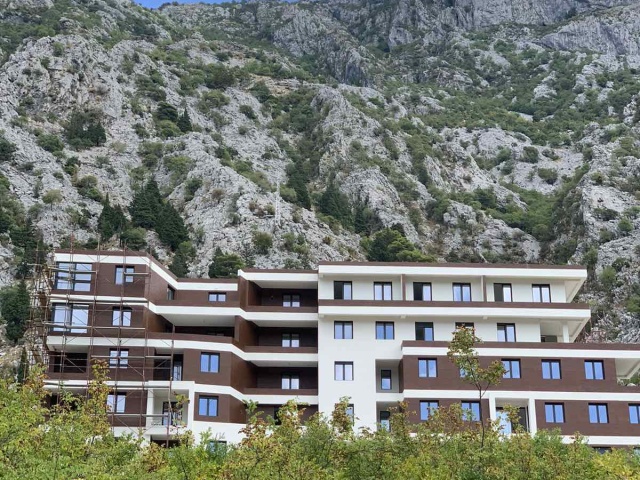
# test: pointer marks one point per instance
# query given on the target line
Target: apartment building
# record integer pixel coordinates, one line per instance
(188, 353)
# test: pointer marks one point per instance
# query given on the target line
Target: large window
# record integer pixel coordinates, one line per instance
(506, 332)
(424, 331)
(118, 358)
(73, 276)
(210, 362)
(343, 330)
(116, 402)
(554, 412)
(598, 413)
(121, 317)
(384, 330)
(385, 379)
(290, 381)
(502, 292)
(426, 408)
(121, 274)
(594, 370)
(342, 290)
(634, 413)
(385, 420)
(291, 300)
(382, 291)
(291, 340)
(70, 318)
(511, 367)
(422, 291)
(344, 371)
(427, 367)
(471, 411)
(461, 292)
(541, 293)
(217, 297)
(551, 370)
(208, 406)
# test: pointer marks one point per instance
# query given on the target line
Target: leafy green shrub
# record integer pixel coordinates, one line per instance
(88, 187)
(212, 100)
(262, 242)
(15, 305)
(530, 155)
(608, 279)
(167, 129)
(191, 187)
(184, 122)
(225, 265)
(390, 245)
(85, 130)
(248, 112)
(51, 143)
(52, 197)
(261, 92)
(625, 227)
(7, 149)
(549, 175)
(58, 49)
(179, 166)
(134, 238)
(219, 77)
(151, 153)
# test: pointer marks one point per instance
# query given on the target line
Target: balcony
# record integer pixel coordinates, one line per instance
(277, 315)
(186, 312)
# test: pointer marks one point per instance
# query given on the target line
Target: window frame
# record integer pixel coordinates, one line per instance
(116, 361)
(121, 319)
(339, 286)
(505, 328)
(418, 287)
(634, 407)
(426, 407)
(385, 419)
(551, 362)
(124, 274)
(118, 402)
(598, 409)
(291, 339)
(218, 297)
(289, 300)
(73, 276)
(540, 288)
(209, 399)
(500, 287)
(461, 286)
(471, 408)
(343, 367)
(425, 326)
(590, 373)
(171, 293)
(209, 364)
(385, 330)
(291, 379)
(383, 291)
(427, 362)
(509, 371)
(341, 324)
(553, 418)
(386, 374)
(70, 316)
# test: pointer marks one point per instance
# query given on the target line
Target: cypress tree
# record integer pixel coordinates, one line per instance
(170, 227)
(184, 122)
(15, 305)
(111, 220)
(146, 206)
(335, 203)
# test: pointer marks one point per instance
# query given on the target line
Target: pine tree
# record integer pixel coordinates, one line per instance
(335, 203)
(170, 227)
(111, 220)
(146, 206)
(225, 265)
(184, 122)
(166, 111)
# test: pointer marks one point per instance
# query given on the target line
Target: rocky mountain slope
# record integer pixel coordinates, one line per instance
(290, 133)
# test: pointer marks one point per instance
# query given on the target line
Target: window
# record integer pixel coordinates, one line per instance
(426, 408)
(594, 369)
(210, 362)
(424, 331)
(343, 330)
(382, 291)
(634, 413)
(217, 297)
(290, 382)
(121, 317)
(121, 277)
(291, 300)
(422, 291)
(461, 292)
(171, 415)
(118, 359)
(502, 292)
(542, 293)
(171, 293)
(291, 340)
(512, 368)
(598, 413)
(116, 402)
(69, 362)
(351, 412)
(342, 290)
(554, 412)
(385, 379)
(73, 276)
(70, 318)
(506, 332)
(551, 369)
(384, 330)
(385, 420)
(471, 411)
(217, 447)
(344, 371)
(208, 406)
(427, 368)
(465, 325)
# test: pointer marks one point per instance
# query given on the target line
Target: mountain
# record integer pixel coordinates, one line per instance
(291, 133)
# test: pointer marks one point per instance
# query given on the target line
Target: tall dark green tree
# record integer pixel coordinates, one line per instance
(14, 306)
(85, 130)
(225, 265)
(146, 205)
(166, 111)
(111, 220)
(170, 227)
(335, 203)
(184, 122)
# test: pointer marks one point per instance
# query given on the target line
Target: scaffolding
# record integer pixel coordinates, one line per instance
(67, 342)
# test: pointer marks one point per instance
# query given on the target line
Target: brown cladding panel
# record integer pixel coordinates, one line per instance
(230, 409)
(413, 406)
(576, 415)
(272, 297)
(271, 377)
(134, 409)
(272, 336)
(244, 332)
